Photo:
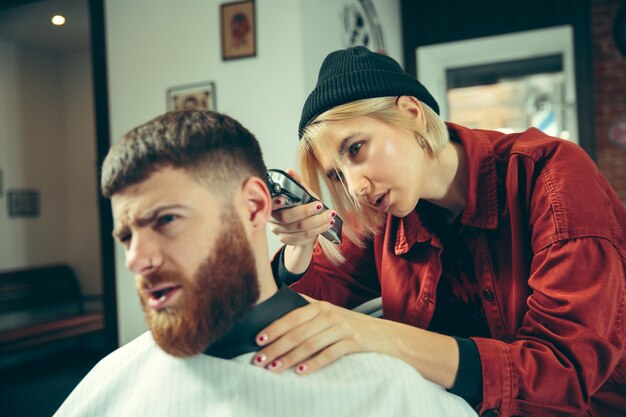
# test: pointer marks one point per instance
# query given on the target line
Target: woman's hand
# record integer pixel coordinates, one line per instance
(313, 336)
(298, 227)
(316, 335)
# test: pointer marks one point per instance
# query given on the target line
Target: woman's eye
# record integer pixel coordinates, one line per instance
(354, 149)
(126, 238)
(335, 175)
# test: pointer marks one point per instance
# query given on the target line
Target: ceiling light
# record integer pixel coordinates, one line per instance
(58, 20)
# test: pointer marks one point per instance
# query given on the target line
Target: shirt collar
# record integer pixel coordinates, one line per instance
(481, 204)
(241, 338)
(481, 200)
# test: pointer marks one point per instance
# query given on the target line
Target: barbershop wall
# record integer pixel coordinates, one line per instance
(609, 93)
(47, 145)
(154, 45)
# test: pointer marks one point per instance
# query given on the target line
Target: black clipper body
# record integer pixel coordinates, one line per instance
(282, 184)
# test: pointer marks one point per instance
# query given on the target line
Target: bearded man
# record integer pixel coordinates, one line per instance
(190, 205)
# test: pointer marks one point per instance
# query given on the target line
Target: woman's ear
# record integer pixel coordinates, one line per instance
(258, 203)
(412, 106)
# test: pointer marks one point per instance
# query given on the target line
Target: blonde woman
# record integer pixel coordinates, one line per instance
(500, 258)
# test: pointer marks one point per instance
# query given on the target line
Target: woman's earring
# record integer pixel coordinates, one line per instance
(422, 143)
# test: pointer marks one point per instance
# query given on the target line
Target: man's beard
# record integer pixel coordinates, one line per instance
(220, 293)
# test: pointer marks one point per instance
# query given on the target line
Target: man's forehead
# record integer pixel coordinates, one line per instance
(164, 188)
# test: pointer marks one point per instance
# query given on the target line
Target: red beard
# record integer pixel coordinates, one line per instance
(220, 293)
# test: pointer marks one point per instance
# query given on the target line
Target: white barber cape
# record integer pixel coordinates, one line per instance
(140, 379)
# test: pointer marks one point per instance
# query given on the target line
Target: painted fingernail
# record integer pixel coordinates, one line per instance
(261, 338)
(277, 201)
(333, 214)
(260, 359)
(319, 206)
(302, 368)
(332, 222)
(275, 365)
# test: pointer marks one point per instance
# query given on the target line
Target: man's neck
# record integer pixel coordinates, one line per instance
(267, 283)
(241, 338)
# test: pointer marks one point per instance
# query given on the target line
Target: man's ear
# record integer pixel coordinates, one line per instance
(257, 201)
(413, 107)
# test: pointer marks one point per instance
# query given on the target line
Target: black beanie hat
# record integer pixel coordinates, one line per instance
(357, 73)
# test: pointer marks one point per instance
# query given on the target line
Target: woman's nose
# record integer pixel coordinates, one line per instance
(143, 255)
(357, 184)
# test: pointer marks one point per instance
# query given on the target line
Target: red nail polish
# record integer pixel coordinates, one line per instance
(319, 206)
(275, 365)
(262, 338)
(277, 201)
(332, 222)
(333, 214)
(260, 359)
(302, 368)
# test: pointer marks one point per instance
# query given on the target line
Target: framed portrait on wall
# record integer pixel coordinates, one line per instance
(198, 96)
(238, 30)
(23, 203)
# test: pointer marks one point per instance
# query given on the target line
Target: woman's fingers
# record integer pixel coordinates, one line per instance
(318, 350)
(278, 202)
(326, 357)
(312, 337)
(296, 213)
(299, 225)
(288, 322)
(294, 174)
(302, 224)
(309, 339)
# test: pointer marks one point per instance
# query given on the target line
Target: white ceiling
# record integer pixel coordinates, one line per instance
(30, 24)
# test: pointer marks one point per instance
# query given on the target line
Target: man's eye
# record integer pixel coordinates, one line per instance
(126, 238)
(165, 219)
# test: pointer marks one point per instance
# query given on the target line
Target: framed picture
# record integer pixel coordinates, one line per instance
(199, 96)
(238, 30)
(23, 203)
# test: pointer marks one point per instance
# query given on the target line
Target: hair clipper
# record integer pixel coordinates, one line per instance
(282, 184)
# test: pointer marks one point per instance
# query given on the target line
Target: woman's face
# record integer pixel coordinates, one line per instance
(383, 165)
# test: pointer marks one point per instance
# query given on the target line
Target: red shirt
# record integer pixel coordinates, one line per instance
(547, 236)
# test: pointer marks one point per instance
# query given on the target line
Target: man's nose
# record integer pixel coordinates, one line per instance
(143, 254)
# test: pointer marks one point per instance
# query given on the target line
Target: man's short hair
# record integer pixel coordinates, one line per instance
(213, 147)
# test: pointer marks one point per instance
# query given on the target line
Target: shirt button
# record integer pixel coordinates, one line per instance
(490, 413)
(488, 295)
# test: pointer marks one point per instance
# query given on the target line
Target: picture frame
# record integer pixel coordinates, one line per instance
(23, 203)
(238, 29)
(198, 96)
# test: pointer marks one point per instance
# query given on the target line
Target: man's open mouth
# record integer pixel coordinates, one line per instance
(159, 296)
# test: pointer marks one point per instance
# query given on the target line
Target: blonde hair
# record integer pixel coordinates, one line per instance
(360, 222)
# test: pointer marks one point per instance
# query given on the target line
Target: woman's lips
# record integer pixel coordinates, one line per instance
(380, 201)
(163, 295)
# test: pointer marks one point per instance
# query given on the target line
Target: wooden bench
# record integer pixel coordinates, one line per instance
(42, 305)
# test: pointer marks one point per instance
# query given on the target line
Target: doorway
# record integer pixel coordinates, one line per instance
(53, 137)
(506, 82)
